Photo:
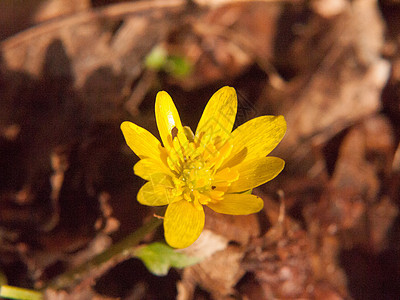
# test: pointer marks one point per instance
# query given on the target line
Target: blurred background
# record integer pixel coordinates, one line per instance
(72, 71)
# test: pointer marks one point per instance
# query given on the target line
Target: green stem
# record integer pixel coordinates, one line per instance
(109, 258)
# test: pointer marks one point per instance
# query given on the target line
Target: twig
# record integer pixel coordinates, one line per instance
(102, 262)
(112, 12)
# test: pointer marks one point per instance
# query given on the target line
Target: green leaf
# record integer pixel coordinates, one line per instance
(159, 60)
(156, 59)
(159, 258)
(178, 66)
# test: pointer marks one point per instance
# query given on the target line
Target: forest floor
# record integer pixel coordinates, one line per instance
(72, 71)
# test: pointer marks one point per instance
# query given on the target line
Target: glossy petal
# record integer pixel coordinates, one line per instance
(238, 204)
(155, 194)
(142, 142)
(167, 117)
(255, 138)
(183, 224)
(256, 172)
(146, 167)
(226, 175)
(219, 115)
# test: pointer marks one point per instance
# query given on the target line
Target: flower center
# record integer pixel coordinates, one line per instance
(196, 161)
(195, 176)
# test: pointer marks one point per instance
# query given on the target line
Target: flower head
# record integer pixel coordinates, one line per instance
(213, 166)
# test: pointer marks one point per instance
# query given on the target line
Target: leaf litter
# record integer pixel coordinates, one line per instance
(67, 191)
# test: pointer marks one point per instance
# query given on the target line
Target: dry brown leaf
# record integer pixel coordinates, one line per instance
(217, 274)
(346, 83)
(281, 263)
(206, 245)
(351, 203)
(89, 41)
(83, 294)
(381, 217)
(396, 160)
(51, 9)
(290, 264)
(240, 229)
(223, 42)
(63, 87)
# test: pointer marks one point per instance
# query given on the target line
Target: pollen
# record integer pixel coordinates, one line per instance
(196, 165)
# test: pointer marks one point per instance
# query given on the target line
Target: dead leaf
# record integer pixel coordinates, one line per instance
(51, 9)
(346, 83)
(217, 274)
(240, 229)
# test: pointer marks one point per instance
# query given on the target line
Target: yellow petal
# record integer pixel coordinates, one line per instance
(202, 199)
(238, 204)
(167, 117)
(222, 154)
(219, 115)
(215, 195)
(142, 142)
(256, 138)
(180, 145)
(226, 174)
(183, 224)
(256, 172)
(158, 194)
(148, 166)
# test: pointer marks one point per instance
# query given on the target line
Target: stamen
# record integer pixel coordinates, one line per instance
(198, 179)
(174, 132)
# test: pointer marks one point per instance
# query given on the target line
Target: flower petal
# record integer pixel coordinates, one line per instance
(167, 117)
(145, 168)
(255, 138)
(183, 224)
(238, 204)
(219, 115)
(142, 142)
(256, 172)
(226, 175)
(154, 194)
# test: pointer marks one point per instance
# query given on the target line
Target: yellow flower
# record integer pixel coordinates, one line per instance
(213, 167)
